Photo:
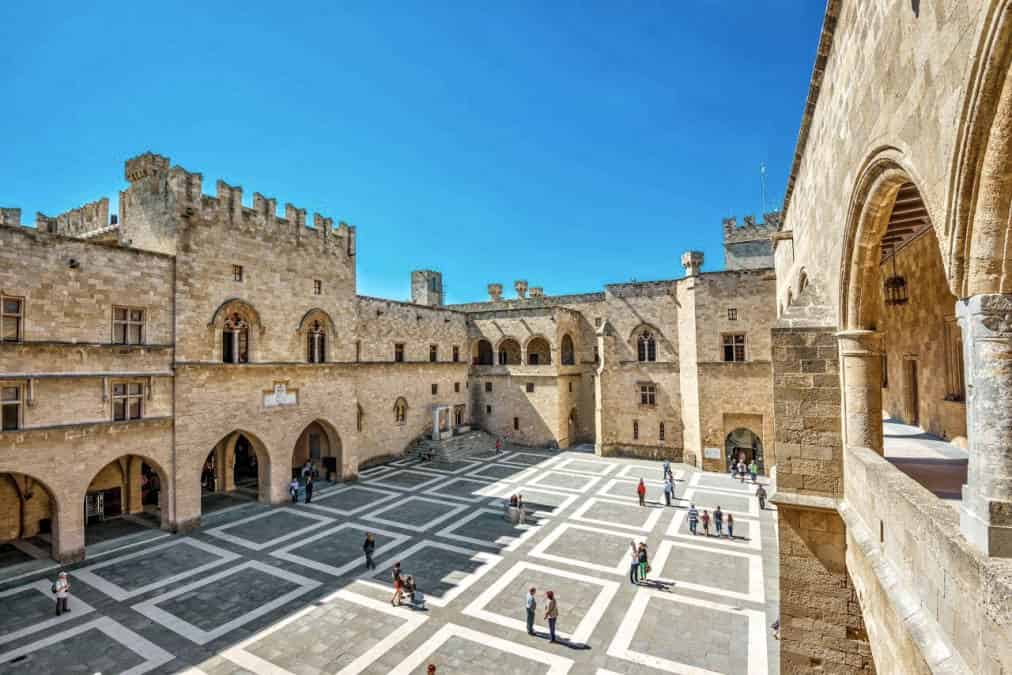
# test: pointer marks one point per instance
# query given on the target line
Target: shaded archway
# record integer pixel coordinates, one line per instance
(568, 352)
(744, 445)
(236, 470)
(27, 519)
(482, 355)
(319, 444)
(539, 352)
(126, 496)
(509, 352)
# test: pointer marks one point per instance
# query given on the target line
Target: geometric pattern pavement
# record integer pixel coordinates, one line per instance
(285, 589)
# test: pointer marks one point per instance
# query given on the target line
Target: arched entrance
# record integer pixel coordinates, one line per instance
(127, 496)
(27, 519)
(482, 355)
(319, 445)
(509, 352)
(746, 446)
(539, 352)
(236, 470)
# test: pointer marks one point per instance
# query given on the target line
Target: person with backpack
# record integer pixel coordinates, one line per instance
(61, 589)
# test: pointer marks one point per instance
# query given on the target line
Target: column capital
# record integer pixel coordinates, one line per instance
(859, 342)
(990, 313)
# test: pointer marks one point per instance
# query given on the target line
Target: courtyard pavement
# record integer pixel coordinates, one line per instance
(274, 590)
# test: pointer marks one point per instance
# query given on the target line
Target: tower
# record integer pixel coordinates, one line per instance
(427, 288)
(749, 246)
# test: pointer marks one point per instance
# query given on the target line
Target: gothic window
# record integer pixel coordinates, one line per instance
(400, 411)
(236, 272)
(568, 355)
(316, 343)
(734, 347)
(10, 407)
(636, 430)
(646, 347)
(235, 340)
(648, 394)
(660, 432)
(126, 401)
(433, 353)
(127, 326)
(11, 316)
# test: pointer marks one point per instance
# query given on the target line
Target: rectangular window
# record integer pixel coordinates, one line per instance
(636, 430)
(660, 432)
(597, 355)
(456, 387)
(732, 314)
(488, 409)
(516, 424)
(10, 402)
(317, 287)
(435, 389)
(648, 394)
(399, 352)
(358, 350)
(488, 387)
(11, 315)
(126, 401)
(127, 326)
(570, 387)
(456, 353)
(597, 322)
(236, 272)
(433, 353)
(530, 387)
(734, 347)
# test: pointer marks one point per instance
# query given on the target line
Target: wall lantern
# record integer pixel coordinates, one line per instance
(896, 287)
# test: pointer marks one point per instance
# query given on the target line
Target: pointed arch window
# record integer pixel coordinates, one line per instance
(647, 347)
(235, 340)
(316, 343)
(400, 411)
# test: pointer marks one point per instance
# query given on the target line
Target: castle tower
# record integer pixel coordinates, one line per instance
(427, 288)
(750, 247)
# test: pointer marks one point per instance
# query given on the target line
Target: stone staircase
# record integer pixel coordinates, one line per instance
(454, 449)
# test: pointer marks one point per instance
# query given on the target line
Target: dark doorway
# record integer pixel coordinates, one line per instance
(246, 470)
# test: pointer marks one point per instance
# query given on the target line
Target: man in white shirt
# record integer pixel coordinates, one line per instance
(532, 605)
(62, 590)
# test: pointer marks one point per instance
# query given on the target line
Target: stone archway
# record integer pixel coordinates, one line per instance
(125, 496)
(320, 444)
(28, 519)
(745, 445)
(509, 352)
(483, 355)
(238, 467)
(539, 351)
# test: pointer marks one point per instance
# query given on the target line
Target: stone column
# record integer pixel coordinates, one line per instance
(861, 362)
(68, 533)
(986, 511)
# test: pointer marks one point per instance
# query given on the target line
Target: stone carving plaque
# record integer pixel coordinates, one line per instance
(711, 453)
(280, 396)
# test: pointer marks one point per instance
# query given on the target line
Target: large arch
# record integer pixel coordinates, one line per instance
(133, 486)
(221, 461)
(508, 351)
(538, 350)
(743, 444)
(319, 443)
(483, 354)
(29, 516)
(567, 351)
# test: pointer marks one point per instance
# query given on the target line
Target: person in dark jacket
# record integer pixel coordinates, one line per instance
(369, 547)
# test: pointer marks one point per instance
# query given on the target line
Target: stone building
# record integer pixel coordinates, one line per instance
(192, 346)
(894, 293)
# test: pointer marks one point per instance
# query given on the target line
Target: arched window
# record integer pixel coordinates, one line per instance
(316, 343)
(400, 411)
(647, 347)
(568, 353)
(235, 340)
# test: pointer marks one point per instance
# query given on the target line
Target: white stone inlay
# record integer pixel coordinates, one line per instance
(220, 532)
(650, 516)
(414, 663)
(287, 555)
(43, 586)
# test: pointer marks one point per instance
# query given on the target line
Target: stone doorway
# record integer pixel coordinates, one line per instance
(744, 445)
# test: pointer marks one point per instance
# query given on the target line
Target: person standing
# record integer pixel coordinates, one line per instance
(551, 614)
(395, 574)
(730, 526)
(667, 491)
(706, 522)
(498, 446)
(634, 563)
(693, 518)
(369, 547)
(61, 588)
(643, 561)
(718, 521)
(532, 605)
(741, 470)
(309, 488)
(753, 470)
(293, 490)
(667, 469)
(641, 492)
(761, 494)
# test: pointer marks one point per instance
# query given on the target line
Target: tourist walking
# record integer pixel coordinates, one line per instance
(741, 470)
(644, 567)
(730, 526)
(532, 605)
(551, 614)
(761, 494)
(706, 522)
(61, 589)
(309, 488)
(395, 575)
(498, 446)
(634, 563)
(293, 490)
(718, 521)
(641, 492)
(693, 518)
(753, 470)
(667, 469)
(369, 547)
(668, 489)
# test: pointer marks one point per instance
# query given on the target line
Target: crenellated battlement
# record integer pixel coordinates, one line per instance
(82, 221)
(10, 216)
(750, 230)
(182, 192)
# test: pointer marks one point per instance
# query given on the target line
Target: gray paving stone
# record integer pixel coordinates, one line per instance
(696, 636)
(278, 524)
(23, 609)
(155, 566)
(86, 653)
(708, 568)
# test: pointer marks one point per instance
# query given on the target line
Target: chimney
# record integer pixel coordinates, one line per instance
(495, 292)
(692, 261)
(521, 287)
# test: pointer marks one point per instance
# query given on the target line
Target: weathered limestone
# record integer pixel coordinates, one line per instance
(861, 354)
(986, 515)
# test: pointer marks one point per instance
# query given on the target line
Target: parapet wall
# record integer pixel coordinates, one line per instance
(750, 230)
(79, 222)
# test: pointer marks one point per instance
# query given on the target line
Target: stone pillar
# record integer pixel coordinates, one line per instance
(68, 533)
(133, 487)
(861, 362)
(986, 511)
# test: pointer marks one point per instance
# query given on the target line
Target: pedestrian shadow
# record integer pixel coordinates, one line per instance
(581, 646)
(656, 584)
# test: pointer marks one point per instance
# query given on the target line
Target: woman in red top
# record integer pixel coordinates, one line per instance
(641, 490)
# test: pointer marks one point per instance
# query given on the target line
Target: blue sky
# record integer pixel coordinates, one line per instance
(570, 144)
